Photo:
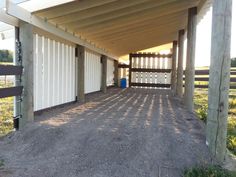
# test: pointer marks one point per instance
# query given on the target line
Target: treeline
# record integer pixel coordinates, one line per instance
(6, 56)
(233, 62)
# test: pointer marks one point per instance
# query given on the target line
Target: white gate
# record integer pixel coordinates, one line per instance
(93, 72)
(150, 70)
(54, 73)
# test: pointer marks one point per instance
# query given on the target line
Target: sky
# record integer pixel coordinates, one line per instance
(203, 43)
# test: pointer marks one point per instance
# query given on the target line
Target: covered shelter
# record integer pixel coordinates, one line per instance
(71, 48)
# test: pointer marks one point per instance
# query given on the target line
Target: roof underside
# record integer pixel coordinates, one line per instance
(122, 26)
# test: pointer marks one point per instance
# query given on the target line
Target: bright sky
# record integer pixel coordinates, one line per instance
(203, 44)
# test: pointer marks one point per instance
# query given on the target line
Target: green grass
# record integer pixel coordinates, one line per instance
(210, 171)
(200, 100)
(6, 111)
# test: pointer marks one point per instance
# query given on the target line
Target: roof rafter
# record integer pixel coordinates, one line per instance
(154, 23)
(71, 7)
(140, 44)
(95, 11)
(136, 17)
(174, 26)
(118, 13)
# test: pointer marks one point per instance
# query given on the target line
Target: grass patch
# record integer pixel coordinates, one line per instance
(6, 111)
(210, 171)
(201, 106)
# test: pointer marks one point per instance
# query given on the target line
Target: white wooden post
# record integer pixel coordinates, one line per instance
(190, 61)
(219, 81)
(179, 88)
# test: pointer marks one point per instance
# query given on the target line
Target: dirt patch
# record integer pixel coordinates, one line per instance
(132, 132)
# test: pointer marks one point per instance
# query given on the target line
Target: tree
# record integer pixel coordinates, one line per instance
(233, 62)
(6, 56)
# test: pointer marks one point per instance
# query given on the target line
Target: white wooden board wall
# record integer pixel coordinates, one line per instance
(151, 63)
(54, 73)
(93, 72)
(110, 72)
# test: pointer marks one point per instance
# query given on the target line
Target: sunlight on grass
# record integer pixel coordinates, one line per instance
(6, 111)
(200, 101)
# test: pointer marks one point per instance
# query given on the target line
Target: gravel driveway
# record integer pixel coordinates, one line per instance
(124, 133)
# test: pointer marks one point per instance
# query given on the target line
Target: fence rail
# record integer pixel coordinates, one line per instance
(10, 70)
(203, 76)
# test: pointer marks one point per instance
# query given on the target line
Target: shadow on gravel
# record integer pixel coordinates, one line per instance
(124, 133)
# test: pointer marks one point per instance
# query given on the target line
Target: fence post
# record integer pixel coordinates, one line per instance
(173, 74)
(80, 84)
(27, 104)
(116, 74)
(190, 60)
(104, 73)
(219, 78)
(179, 88)
(130, 67)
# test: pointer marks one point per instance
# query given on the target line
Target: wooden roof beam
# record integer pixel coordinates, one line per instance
(120, 50)
(70, 8)
(154, 20)
(142, 35)
(138, 32)
(95, 11)
(22, 14)
(157, 25)
(119, 13)
(136, 17)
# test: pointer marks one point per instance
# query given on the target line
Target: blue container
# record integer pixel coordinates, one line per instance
(123, 83)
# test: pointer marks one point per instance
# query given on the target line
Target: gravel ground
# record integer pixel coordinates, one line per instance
(124, 133)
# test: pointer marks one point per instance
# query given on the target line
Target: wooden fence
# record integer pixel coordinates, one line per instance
(202, 78)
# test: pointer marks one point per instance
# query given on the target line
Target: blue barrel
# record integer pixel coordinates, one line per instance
(123, 83)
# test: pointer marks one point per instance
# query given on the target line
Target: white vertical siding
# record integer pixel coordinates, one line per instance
(110, 72)
(93, 72)
(54, 73)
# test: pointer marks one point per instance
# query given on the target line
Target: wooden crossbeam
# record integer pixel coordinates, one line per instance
(151, 55)
(150, 85)
(150, 70)
(11, 91)
(10, 70)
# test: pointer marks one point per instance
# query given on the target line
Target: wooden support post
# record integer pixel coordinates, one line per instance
(27, 104)
(190, 60)
(130, 67)
(116, 77)
(179, 88)
(219, 80)
(17, 62)
(80, 84)
(173, 73)
(104, 74)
